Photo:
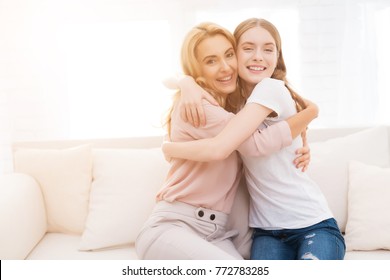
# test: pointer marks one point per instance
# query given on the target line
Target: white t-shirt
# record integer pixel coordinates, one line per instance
(282, 196)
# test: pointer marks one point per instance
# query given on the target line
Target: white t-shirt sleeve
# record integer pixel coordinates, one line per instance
(271, 93)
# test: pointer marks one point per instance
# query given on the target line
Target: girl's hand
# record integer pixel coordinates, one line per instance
(164, 146)
(303, 154)
(167, 157)
(191, 108)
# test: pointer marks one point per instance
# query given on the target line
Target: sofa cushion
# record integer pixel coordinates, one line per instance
(125, 183)
(368, 255)
(64, 176)
(330, 159)
(368, 225)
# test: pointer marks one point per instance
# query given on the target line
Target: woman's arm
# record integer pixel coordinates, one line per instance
(239, 128)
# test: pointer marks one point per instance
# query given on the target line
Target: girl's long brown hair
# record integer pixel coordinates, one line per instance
(280, 70)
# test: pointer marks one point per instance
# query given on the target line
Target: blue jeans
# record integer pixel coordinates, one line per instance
(322, 241)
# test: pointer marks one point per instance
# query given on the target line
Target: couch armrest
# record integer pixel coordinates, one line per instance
(22, 215)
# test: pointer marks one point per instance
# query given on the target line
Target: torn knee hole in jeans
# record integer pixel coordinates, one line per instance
(308, 256)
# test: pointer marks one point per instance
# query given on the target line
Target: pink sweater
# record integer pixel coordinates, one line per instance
(213, 185)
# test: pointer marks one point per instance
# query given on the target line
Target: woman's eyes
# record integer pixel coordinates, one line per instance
(230, 54)
(213, 61)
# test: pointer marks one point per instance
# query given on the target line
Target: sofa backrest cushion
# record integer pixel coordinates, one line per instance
(125, 183)
(64, 176)
(330, 161)
(368, 225)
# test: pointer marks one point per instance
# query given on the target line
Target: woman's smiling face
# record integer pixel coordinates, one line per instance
(257, 56)
(218, 64)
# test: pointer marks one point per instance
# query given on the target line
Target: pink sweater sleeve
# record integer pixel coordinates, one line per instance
(261, 143)
(267, 141)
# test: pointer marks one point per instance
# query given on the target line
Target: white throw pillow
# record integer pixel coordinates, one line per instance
(65, 178)
(368, 226)
(330, 159)
(122, 195)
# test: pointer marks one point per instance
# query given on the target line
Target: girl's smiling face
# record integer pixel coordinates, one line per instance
(257, 56)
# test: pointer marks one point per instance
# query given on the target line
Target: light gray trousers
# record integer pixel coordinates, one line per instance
(181, 231)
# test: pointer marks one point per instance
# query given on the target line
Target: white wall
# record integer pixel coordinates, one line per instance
(31, 89)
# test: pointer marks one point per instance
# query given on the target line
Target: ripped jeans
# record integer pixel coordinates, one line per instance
(322, 241)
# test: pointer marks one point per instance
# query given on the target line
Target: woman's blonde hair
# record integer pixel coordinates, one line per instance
(280, 70)
(191, 66)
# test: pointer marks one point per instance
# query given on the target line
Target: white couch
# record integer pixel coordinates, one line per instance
(88, 199)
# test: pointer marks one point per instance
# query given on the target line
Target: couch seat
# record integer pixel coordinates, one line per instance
(58, 246)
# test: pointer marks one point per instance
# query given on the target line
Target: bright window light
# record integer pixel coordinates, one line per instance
(382, 25)
(114, 74)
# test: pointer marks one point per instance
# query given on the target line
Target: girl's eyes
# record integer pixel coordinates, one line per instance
(249, 49)
(211, 61)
